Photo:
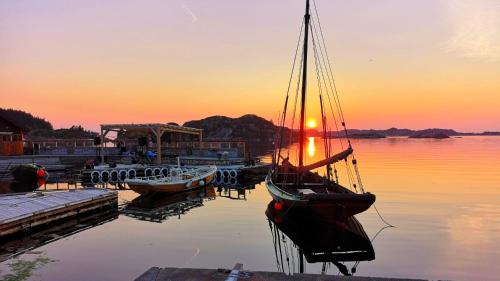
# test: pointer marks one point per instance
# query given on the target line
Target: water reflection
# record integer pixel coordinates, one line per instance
(157, 206)
(298, 234)
(14, 245)
(238, 190)
(17, 187)
(311, 147)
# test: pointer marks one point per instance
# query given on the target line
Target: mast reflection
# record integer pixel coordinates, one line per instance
(299, 234)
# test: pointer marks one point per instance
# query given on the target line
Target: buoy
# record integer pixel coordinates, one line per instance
(225, 173)
(113, 176)
(123, 175)
(40, 173)
(148, 172)
(233, 181)
(157, 171)
(164, 171)
(225, 180)
(131, 174)
(95, 177)
(202, 182)
(105, 176)
(278, 206)
(233, 173)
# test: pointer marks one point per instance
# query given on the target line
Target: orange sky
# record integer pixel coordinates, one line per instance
(413, 64)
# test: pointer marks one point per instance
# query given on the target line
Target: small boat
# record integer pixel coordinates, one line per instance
(29, 173)
(176, 180)
(296, 186)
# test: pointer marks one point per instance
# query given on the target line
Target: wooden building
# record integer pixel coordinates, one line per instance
(11, 138)
(159, 132)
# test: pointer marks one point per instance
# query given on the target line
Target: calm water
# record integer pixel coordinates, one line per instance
(443, 196)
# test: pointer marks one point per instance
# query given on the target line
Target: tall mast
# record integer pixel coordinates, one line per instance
(307, 17)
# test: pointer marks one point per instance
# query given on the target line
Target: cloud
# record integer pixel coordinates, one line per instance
(190, 13)
(475, 29)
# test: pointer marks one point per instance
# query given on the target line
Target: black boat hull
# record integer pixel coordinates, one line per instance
(331, 206)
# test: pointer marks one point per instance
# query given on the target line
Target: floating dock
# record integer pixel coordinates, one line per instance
(27, 211)
(226, 174)
(237, 273)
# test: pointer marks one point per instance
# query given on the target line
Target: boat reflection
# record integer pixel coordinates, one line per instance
(298, 234)
(238, 189)
(18, 187)
(158, 206)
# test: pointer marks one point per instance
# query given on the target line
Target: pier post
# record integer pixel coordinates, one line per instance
(158, 132)
(102, 147)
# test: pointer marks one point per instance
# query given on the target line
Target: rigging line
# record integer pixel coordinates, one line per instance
(337, 103)
(381, 218)
(275, 140)
(328, 96)
(330, 75)
(320, 74)
(350, 177)
(274, 243)
(297, 90)
(289, 85)
(285, 245)
(380, 231)
(327, 56)
(336, 95)
(279, 244)
(291, 132)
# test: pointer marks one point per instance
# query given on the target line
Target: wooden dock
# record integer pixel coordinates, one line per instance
(182, 274)
(27, 211)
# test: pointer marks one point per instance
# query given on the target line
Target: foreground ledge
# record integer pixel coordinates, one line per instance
(178, 274)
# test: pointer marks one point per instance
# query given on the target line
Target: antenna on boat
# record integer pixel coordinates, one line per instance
(307, 18)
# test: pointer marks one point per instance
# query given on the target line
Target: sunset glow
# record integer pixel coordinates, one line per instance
(92, 62)
(311, 124)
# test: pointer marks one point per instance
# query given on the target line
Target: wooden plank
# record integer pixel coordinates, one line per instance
(183, 274)
(25, 211)
(235, 273)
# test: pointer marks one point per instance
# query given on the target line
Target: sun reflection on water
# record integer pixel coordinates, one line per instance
(311, 147)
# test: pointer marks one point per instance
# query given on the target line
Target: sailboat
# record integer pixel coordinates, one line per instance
(297, 186)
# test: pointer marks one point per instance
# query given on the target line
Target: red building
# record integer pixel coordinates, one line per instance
(11, 138)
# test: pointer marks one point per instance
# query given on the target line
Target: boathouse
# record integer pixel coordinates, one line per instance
(11, 137)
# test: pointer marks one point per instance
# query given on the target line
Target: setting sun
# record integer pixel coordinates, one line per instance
(311, 123)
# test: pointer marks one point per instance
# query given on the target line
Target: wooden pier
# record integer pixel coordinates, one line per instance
(24, 212)
(237, 273)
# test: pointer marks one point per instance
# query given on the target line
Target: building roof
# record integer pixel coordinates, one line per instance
(151, 126)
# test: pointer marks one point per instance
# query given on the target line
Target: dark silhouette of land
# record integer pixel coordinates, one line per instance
(249, 127)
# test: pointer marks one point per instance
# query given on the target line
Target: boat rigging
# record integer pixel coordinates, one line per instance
(296, 185)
